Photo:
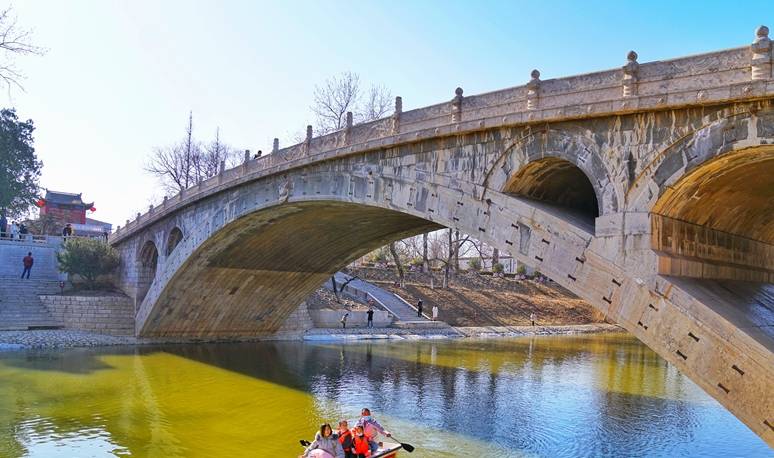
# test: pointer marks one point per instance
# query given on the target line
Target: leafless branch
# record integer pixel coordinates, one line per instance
(14, 41)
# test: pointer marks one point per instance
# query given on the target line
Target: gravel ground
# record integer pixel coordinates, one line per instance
(62, 338)
(59, 338)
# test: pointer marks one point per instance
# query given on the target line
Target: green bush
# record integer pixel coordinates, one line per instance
(88, 258)
(498, 268)
(474, 264)
(416, 262)
(521, 270)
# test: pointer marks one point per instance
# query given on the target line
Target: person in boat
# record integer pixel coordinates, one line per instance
(345, 439)
(325, 445)
(372, 428)
(361, 447)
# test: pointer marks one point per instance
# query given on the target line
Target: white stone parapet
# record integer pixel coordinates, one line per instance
(738, 74)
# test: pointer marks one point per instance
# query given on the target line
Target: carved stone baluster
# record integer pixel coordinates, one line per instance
(761, 55)
(533, 91)
(457, 105)
(631, 75)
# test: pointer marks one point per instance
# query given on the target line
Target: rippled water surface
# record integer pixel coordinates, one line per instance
(545, 396)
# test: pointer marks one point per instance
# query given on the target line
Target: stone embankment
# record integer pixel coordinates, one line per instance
(104, 314)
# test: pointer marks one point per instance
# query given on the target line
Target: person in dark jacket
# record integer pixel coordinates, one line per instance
(419, 309)
(345, 439)
(28, 261)
(370, 314)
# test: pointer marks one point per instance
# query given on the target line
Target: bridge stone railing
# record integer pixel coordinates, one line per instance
(739, 74)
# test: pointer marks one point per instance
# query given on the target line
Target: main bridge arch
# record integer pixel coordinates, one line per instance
(433, 184)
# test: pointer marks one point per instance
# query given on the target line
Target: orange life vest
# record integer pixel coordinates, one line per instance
(345, 439)
(360, 445)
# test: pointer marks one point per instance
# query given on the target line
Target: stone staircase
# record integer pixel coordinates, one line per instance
(405, 314)
(20, 305)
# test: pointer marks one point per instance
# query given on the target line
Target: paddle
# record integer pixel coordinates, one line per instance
(407, 447)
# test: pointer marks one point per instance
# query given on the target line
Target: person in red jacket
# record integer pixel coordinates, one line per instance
(27, 261)
(345, 439)
(360, 446)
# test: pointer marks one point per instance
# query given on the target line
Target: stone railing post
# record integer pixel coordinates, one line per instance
(533, 91)
(150, 209)
(247, 156)
(396, 115)
(631, 75)
(308, 141)
(456, 105)
(275, 146)
(164, 202)
(348, 129)
(760, 63)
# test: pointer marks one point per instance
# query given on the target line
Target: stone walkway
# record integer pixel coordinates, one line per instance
(396, 306)
(64, 338)
(517, 331)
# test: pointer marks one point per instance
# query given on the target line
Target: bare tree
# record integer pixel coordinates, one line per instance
(334, 99)
(14, 41)
(425, 259)
(398, 265)
(342, 93)
(377, 104)
(208, 162)
(175, 165)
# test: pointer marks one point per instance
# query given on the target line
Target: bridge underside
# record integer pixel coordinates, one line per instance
(248, 277)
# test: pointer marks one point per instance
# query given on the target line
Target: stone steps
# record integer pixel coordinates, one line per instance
(20, 305)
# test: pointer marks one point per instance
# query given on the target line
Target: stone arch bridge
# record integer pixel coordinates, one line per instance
(647, 190)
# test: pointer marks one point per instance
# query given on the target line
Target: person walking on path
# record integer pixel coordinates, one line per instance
(532, 318)
(419, 309)
(14, 231)
(370, 314)
(344, 320)
(435, 313)
(67, 231)
(3, 224)
(27, 261)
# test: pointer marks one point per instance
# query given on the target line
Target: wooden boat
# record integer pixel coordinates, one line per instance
(387, 450)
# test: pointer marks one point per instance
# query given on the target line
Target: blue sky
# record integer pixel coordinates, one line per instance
(119, 77)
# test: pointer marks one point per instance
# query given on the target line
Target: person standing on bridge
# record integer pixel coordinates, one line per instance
(419, 309)
(344, 320)
(27, 261)
(370, 314)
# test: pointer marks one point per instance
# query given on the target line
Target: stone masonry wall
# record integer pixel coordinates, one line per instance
(296, 324)
(112, 315)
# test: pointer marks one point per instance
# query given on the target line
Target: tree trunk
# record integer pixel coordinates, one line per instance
(449, 259)
(425, 261)
(456, 251)
(495, 257)
(335, 290)
(398, 265)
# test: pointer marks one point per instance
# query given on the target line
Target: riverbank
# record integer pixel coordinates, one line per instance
(63, 338)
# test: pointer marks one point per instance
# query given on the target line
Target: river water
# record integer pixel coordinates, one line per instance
(593, 395)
